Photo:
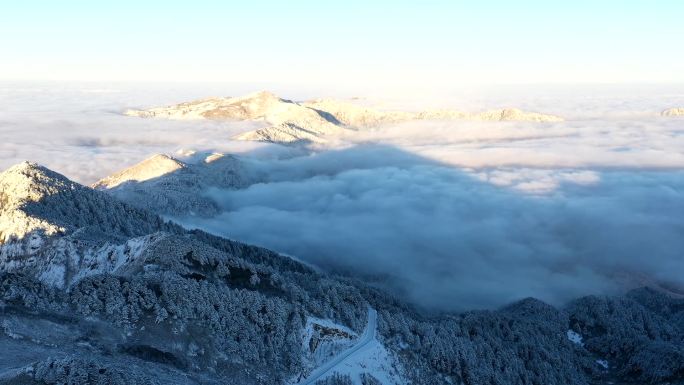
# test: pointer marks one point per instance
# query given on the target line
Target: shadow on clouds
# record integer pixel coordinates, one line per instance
(445, 239)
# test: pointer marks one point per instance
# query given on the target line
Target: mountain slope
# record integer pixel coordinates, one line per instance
(171, 187)
(38, 201)
(357, 116)
(232, 307)
(185, 307)
(153, 167)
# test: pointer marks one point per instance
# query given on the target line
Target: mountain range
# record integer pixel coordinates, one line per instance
(316, 121)
(97, 290)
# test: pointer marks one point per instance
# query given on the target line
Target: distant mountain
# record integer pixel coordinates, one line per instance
(291, 122)
(315, 121)
(93, 290)
(171, 187)
(356, 116)
(673, 112)
(151, 168)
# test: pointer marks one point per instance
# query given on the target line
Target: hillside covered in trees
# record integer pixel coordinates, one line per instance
(95, 291)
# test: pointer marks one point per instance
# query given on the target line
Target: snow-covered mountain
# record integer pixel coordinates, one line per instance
(315, 121)
(289, 121)
(37, 202)
(58, 230)
(673, 112)
(172, 187)
(83, 263)
(93, 290)
(154, 167)
(358, 116)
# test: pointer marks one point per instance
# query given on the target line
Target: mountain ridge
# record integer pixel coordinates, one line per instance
(152, 167)
(168, 186)
(35, 198)
(315, 121)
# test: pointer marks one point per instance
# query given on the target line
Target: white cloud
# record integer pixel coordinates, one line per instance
(451, 240)
(456, 215)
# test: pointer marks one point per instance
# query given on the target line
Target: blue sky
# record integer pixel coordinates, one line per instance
(343, 42)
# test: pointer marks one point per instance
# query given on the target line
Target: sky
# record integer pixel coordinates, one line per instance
(373, 43)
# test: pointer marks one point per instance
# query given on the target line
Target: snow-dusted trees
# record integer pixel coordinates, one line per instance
(639, 337)
(77, 371)
(197, 304)
(336, 379)
(192, 306)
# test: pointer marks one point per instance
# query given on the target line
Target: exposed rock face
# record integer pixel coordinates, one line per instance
(318, 120)
(114, 294)
(673, 112)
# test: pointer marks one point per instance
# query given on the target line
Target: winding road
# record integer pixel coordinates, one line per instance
(367, 337)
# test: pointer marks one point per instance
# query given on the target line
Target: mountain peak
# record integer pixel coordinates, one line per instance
(150, 168)
(28, 181)
(263, 95)
(25, 165)
(35, 199)
(26, 169)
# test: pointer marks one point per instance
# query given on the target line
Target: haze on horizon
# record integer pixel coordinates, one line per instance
(350, 44)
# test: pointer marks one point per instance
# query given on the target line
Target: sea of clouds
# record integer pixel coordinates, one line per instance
(452, 215)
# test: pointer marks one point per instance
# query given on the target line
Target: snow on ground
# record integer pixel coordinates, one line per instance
(575, 337)
(323, 339)
(375, 359)
(52, 263)
(365, 355)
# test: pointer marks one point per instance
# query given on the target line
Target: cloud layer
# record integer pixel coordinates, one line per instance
(79, 131)
(448, 239)
(453, 215)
